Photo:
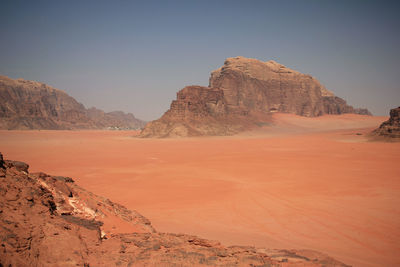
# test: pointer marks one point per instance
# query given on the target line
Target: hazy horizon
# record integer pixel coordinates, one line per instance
(135, 56)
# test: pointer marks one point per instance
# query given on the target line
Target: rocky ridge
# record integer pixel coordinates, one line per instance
(390, 129)
(50, 221)
(32, 105)
(242, 95)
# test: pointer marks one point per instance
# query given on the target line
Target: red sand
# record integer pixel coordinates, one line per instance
(308, 183)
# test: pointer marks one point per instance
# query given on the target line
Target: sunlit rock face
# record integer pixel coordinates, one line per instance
(253, 85)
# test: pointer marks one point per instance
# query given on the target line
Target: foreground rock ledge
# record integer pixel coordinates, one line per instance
(50, 221)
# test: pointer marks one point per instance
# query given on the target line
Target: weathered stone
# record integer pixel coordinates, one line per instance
(1, 161)
(253, 85)
(390, 129)
(19, 165)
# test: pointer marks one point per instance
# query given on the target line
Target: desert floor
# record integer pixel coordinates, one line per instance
(313, 183)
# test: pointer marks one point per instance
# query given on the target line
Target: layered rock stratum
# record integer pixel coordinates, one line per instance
(49, 220)
(242, 95)
(32, 105)
(390, 129)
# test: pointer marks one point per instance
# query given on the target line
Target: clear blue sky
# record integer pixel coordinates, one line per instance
(135, 55)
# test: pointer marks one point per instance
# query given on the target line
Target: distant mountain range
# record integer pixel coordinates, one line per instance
(242, 95)
(32, 105)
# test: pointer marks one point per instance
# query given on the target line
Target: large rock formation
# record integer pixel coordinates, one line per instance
(33, 105)
(50, 221)
(200, 111)
(390, 129)
(241, 95)
(250, 84)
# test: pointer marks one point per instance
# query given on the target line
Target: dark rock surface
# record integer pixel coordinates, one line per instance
(33, 105)
(390, 129)
(51, 221)
(19, 165)
(2, 162)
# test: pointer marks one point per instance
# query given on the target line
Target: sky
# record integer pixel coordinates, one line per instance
(135, 55)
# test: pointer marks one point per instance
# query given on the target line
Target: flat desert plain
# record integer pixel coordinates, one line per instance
(313, 183)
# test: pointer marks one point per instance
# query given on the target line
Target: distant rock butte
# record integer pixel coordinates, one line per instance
(390, 129)
(242, 95)
(32, 105)
(49, 220)
(200, 111)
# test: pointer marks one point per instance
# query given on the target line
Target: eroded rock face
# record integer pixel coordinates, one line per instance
(250, 84)
(336, 106)
(50, 221)
(390, 129)
(199, 111)
(241, 95)
(33, 105)
(253, 85)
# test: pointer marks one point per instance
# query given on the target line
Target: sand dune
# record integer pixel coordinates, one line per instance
(312, 183)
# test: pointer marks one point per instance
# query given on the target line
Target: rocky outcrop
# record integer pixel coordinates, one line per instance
(390, 129)
(33, 105)
(253, 85)
(199, 111)
(336, 106)
(241, 95)
(50, 221)
(114, 119)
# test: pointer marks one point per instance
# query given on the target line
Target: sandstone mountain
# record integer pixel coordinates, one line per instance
(50, 221)
(33, 105)
(242, 95)
(390, 129)
(199, 111)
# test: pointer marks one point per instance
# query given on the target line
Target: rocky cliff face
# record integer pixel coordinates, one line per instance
(250, 84)
(390, 129)
(199, 111)
(336, 106)
(253, 85)
(50, 221)
(241, 95)
(33, 105)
